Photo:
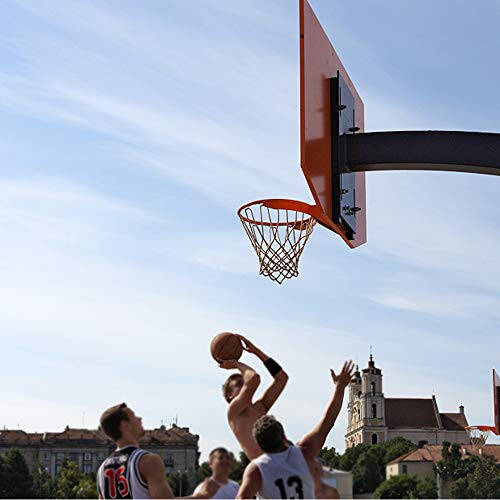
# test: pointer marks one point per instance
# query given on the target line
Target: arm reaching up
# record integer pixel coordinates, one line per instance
(273, 392)
(312, 442)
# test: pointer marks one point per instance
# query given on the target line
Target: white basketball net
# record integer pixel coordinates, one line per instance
(278, 237)
(478, 437)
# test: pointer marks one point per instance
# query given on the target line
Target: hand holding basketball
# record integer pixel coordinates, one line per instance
(247, 345)
(229, 364)
(226, 346)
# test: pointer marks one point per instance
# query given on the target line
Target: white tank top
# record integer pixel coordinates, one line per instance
(227, 490)
(285, 475)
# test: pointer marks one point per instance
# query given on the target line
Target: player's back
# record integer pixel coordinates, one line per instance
(285, 475)
(119, 477)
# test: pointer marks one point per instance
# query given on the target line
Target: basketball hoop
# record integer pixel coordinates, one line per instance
(478, 434)
(278, 230)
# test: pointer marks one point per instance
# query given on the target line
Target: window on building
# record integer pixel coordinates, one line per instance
(374, 410)
(60, 455)
(359, 394)
(359, 414)
(374, 439)
(101, 455)
(404, 469)
(373, 388)
(87, 456)
(87, 468)
(46, 455)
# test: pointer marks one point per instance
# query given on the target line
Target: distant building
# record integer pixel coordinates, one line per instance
(339, 479)
(88, 448)
(373, 418)
(421, 462)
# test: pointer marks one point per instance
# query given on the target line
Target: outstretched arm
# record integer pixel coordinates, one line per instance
(272, 393)
(312, 442)
(251, 482)
(251, 381)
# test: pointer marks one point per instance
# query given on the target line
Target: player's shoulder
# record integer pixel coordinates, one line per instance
(252, 469)
(150, 461)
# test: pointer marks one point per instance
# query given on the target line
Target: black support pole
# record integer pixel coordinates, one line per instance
(474, 152)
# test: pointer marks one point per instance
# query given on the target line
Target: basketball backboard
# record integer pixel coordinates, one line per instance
(496, 400)
(330, 107)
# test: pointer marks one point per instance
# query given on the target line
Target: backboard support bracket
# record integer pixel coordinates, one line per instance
(343, 122)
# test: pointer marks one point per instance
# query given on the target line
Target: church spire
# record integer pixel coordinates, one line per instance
(371, 363)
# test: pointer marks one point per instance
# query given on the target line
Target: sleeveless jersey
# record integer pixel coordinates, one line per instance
(285, 475)
(228, 490)
(118, 476)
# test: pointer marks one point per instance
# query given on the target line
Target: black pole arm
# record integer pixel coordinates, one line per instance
(474, 152)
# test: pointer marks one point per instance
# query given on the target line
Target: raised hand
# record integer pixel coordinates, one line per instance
(345, 375)
(248, 346)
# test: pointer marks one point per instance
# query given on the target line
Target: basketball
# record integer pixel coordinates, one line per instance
(226, 345)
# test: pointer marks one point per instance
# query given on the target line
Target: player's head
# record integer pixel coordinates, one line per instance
(269, 434)
(232, 386)
(220, 461)
(120, 421)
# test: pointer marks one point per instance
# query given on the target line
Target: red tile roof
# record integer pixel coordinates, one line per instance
(410, 412)
(454, 421)
(432, 453)
(161, 436)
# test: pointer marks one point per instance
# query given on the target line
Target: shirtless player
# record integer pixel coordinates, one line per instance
(239, 389)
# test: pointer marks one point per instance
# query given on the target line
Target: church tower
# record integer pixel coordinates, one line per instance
(366, 409)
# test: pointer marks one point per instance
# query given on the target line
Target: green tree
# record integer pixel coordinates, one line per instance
(86, 488)
(67, 480)
(394, 448)
(351, 455)
(43, 485)
(460, 488)
(330, 457)
(179, 483)
(203, 471)
(239, 467)
(15, 477)
(451, 466)
(426, 488)
(402, 486)
(484, 481)
(366, 473)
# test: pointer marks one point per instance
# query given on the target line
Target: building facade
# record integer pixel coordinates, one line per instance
(177, 446)
(421, 463)
(373, 418)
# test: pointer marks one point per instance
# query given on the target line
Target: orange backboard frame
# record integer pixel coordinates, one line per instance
(318, 64)
(496, 400)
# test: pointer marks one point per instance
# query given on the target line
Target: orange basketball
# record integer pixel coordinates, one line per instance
(226, 345)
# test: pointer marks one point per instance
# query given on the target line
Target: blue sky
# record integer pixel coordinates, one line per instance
(129, 134)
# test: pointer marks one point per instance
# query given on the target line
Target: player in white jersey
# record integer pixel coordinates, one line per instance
(285, 470)
(221, 463)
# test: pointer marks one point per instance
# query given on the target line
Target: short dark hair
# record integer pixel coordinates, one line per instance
(269, 434)
(225, 387)
(111, 419)
(220, 449)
